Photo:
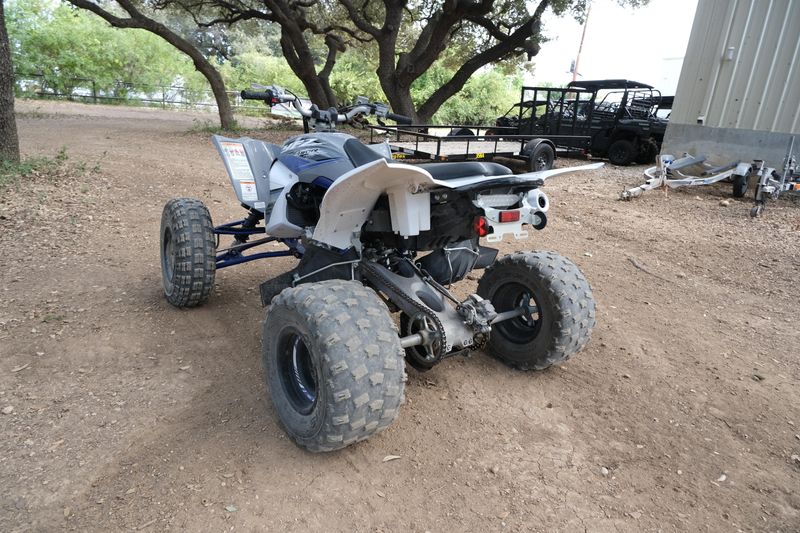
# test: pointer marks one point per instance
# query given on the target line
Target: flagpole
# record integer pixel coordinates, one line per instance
(583, 36)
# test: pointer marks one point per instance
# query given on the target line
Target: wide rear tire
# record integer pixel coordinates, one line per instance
(562, 309)
(333, 364)
(188, 252)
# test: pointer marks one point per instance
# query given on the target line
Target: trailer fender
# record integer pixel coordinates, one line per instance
(742, 169)
(533, 143)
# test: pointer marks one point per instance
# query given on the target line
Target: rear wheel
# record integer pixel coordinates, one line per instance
(188, 252)
(559, 309)
(333, 363)
(648, 150)
(621, 152)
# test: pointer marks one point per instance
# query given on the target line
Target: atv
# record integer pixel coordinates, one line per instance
(373, 238)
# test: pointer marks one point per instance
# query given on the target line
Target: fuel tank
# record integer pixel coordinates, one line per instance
(320, 158)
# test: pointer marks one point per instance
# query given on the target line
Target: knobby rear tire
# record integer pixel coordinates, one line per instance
(333, 363)
(565, 315)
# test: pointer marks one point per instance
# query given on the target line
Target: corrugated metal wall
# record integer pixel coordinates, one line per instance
(742, 67)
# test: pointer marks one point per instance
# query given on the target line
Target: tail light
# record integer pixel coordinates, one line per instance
(509, 216)
(481, 226)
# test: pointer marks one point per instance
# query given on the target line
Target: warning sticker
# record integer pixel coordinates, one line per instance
(249, 193)
(237, 161)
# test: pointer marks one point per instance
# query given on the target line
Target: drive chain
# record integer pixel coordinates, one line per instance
(372, 269)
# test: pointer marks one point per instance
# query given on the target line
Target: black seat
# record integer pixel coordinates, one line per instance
(451, 171)
(359, 153)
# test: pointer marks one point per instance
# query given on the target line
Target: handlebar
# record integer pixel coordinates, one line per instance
(257, 95)
(400, 119)
(276, 95)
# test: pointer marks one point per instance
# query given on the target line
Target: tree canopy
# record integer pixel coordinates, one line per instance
(405, 37)
(64, 45)
(418, 54)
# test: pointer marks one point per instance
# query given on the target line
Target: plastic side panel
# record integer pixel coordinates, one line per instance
(382, 149)
(349, 201)
(248, 163)
(278, 224)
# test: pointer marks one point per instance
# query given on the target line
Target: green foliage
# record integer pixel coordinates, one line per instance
(253, 67)
(63, 43)
(353, 76)
(487, 95)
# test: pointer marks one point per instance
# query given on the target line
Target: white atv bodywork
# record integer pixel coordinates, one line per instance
(349, 201)
(262, 182)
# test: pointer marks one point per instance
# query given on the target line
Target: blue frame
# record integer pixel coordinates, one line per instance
(237, 257)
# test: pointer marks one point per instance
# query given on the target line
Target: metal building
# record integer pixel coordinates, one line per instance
(738, 95)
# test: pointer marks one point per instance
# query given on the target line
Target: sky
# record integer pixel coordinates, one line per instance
(645, 44)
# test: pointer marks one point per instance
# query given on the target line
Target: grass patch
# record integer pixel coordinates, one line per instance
(49, 168)
(33, 115)
(208, 126)
(271, 123)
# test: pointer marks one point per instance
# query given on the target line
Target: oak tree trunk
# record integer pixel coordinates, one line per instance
(9, 142)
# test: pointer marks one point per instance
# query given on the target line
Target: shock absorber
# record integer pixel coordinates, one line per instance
(252, 220)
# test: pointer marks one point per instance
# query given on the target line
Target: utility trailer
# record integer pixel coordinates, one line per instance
(474, 143)
(624, 119)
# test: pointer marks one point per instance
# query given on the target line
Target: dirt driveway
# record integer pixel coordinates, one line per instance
(122, 413)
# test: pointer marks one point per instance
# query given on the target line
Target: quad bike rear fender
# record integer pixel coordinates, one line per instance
(350, 200)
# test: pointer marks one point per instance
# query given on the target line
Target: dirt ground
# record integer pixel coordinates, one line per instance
(123, 413)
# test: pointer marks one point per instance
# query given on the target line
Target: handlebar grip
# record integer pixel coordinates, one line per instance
(400, 119)
(257, 95)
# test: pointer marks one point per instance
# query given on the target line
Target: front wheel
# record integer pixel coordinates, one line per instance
(333, 363)
(188, 252)
(558, 303)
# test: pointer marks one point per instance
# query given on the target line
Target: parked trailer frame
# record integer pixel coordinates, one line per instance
(414, 142)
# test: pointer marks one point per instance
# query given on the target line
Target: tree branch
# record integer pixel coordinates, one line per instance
(513, 44)
(138, 20)
(435, 36)
(335, 45)
(360, 22)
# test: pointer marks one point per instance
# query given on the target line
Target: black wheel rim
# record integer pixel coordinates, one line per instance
(618, 155)
(297, 372)
(167, 254)
(522, 329)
